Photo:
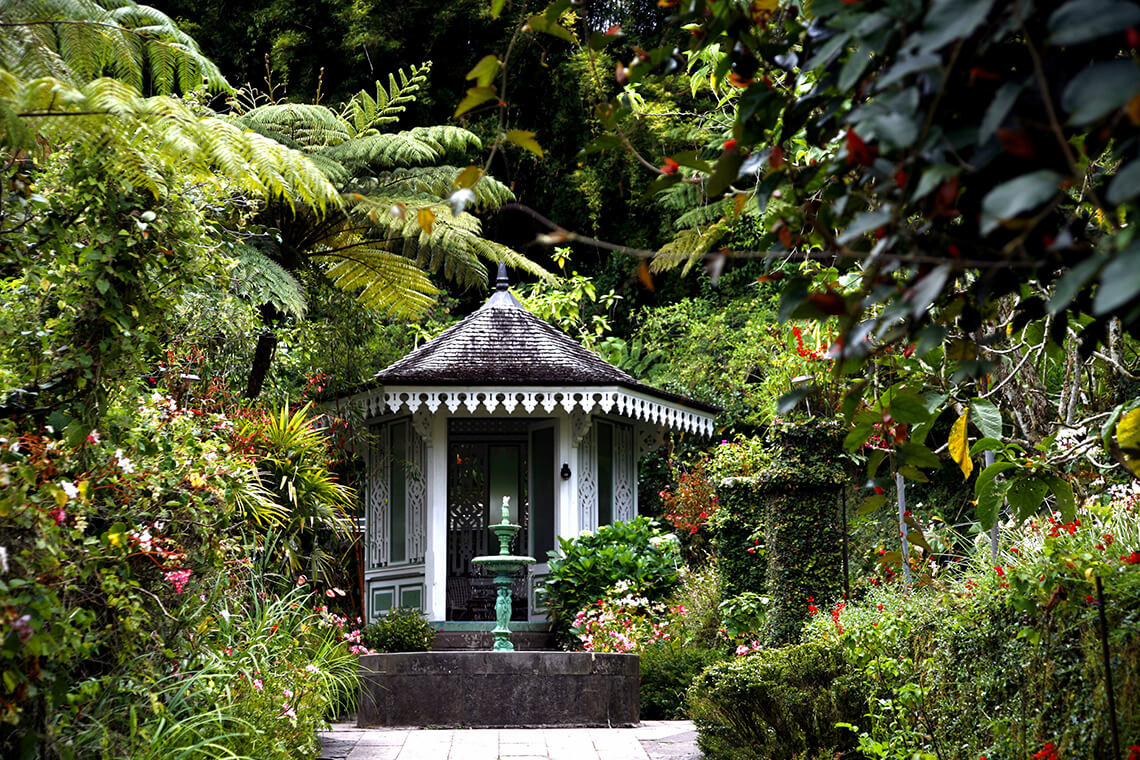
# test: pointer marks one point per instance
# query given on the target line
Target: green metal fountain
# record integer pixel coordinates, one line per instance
(503, 565)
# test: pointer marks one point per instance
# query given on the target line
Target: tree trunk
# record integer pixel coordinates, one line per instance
(262, 360)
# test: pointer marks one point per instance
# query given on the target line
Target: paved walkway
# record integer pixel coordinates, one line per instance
(652, 740)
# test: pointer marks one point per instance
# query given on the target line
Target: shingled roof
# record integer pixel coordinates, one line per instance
(502, 343)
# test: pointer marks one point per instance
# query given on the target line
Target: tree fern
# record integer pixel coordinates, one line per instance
(259, 279)
(77, 41)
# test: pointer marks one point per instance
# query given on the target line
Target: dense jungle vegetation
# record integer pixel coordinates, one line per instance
(891, 240)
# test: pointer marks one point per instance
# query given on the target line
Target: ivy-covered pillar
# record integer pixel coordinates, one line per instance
(800, 491)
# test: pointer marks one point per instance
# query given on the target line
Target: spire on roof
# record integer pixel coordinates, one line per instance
(502, 297)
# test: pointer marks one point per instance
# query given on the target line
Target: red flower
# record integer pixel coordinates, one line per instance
(858, 151)
(1132, 559)
(1000, 571)
(1134, 752)
(729, 144)
(670, 166)
(1048, 752)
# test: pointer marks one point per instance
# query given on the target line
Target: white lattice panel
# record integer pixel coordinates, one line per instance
(379, 497)
(588, 481)
(417, 497)
(625, 474)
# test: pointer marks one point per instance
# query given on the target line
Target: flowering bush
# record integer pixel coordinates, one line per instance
(621, 623)
(593, 565)
(690, 504)
(997, 655)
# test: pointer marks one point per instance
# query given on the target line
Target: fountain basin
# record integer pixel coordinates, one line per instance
(499, 689)
(502, 564)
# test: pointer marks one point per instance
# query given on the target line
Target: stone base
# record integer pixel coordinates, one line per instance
(527, 641)
(499, 689)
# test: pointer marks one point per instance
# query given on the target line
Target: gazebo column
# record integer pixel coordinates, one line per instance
(435, 559)
(566, 516)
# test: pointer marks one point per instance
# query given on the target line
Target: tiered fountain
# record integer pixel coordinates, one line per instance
(500, 688)
(503, 565)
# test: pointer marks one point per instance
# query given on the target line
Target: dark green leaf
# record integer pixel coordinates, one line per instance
(933, 177)
(1083, 20)
(986, 416)
(872, 503)
(906, 66)
(985, 444)
(949, 20)
(998, 108)
(689, 158)
(1119, 281)
(600, 143)
(919, 455)
(1126, 184)
(725, 173)
(986, 477)
(895, 129)
(1016, 196)
(476, 96)
(910, 472)
(927, 289)
(990, 502)
(909, 407)
(791, 399)
(854, 67)
(1100, 89)
(864, 223)
(1072, 282)
(1066, 502)
(1026, 494)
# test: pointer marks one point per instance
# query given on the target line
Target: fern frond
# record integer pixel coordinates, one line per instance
(688, 247)
(78, 41)
(309, 127)
(385, 281)
(430, 182)
(365, 112)
(701, 215)
(259, 279)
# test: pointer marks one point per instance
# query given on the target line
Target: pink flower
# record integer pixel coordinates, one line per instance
(177, 578)
(93, 436)
(287, 711)
(59, 516)
(257, 684)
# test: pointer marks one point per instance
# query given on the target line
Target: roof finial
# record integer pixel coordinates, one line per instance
(501, 282)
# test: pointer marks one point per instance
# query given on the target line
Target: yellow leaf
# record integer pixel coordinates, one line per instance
(960, 444)
(476, 96)
(485, 71)
(426, 219)
(1128, 438)
(468, 177)
(525, 140)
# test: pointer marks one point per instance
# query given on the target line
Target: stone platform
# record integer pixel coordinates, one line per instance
(499, 689)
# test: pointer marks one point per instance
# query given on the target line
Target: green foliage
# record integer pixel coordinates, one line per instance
(78, 41)
(668, 669)
(737, 530)
(400, 630)
(1001, 657)
(777, 534)
(779, 704)
(591, 566)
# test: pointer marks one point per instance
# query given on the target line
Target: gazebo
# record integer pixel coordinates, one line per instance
(500, 404)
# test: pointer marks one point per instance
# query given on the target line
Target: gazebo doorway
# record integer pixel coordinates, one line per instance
(489, 458)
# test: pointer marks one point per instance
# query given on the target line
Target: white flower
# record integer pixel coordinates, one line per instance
(69, 488)
(4, 559)
(125, 464)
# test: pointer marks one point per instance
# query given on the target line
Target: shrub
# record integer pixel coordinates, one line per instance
(591, 566)
(1000, 658)
(780, 704)
(668, 668)
(400, 630)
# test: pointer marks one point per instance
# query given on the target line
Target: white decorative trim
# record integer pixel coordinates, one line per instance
(421, 422)
(579, 426)
(649, 439)
(631, 404)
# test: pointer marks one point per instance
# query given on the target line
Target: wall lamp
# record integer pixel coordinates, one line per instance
(565, 473)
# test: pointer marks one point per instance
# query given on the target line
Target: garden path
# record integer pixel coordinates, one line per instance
(652, 740)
